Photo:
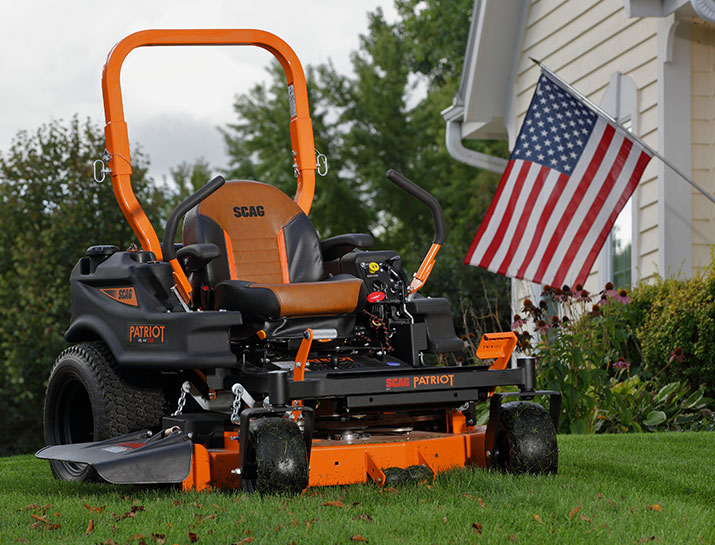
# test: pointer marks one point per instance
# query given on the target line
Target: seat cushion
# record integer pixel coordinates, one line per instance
(339, 294)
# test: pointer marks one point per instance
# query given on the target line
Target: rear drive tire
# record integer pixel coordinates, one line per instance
(526, 439)
(90, 398)
(277, 461)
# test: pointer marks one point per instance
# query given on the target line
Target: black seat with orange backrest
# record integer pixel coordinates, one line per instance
(270, 264)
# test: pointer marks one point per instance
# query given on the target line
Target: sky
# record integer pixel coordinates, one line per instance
(52, 54)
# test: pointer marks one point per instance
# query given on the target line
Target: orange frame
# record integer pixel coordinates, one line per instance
(117, 139)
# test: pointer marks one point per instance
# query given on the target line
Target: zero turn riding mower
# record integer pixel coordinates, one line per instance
(256, 355)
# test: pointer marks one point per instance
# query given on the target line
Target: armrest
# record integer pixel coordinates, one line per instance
(198, 255)
(339, 245)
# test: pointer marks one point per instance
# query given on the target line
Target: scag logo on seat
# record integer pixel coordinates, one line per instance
(248, 211)
(146, 334)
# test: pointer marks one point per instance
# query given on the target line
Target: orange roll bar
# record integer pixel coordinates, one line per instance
(117, 139)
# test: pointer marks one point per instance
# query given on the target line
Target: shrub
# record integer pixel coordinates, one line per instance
(678, 333)
(591, 353)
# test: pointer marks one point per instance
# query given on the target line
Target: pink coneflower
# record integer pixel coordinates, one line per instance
(621, 363)
(542, 327)
(609, 291)
(677, 356)
(562, 294)
(596, 311)
(524, 342)
(518, 322)
(583, 295)
(622, 297)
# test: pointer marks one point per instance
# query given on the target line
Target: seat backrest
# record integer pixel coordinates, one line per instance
(262, 233)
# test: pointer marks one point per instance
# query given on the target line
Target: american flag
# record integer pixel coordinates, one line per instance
(569, 175)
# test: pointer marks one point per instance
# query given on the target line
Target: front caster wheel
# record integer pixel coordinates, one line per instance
(277, 461)
(526, 439)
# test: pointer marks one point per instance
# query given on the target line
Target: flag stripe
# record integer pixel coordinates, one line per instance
(492, 228)
(556, 193)
(564, 198)
(560, 231)
(601, 220)
(596, 205)
(498, 237)
(487, 219)
(506, 236)
(632, 183)
(524, 217)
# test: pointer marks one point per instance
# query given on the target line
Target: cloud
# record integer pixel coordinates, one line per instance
(170, 139)
(52, 54)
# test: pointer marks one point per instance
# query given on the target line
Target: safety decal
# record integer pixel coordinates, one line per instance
(291, 101)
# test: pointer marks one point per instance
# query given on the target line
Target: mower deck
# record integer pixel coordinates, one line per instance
(336, 462)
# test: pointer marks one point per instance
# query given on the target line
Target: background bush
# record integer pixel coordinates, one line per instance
(637, 362)
(677, 335)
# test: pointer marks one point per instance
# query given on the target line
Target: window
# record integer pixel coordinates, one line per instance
(618, 254)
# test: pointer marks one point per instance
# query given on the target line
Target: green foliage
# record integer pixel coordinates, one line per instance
(582, 350)
(258, 145)
(385, 115)
(678, 333)
(633, 405)
(52, 211)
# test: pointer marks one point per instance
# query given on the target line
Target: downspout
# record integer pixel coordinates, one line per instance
(453, 139)
(468, 156)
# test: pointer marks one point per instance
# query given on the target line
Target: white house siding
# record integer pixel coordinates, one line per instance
(584, 42)
(702, 85)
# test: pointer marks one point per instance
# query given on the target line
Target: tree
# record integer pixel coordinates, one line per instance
(258, 145)
(382, 118)
(52, 211)
(387, 124)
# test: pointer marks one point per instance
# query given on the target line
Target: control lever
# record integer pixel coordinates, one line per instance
(420, 277)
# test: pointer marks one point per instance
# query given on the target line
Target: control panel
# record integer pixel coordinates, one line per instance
(381, 271)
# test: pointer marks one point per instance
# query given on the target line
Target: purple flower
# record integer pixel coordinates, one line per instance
(542, 327)
(518, 322)
(608, 292)
(677, 356)
(622, 297)
(621, 363)
(583, 295)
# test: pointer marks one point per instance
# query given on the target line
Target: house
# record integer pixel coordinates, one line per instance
(651, 65)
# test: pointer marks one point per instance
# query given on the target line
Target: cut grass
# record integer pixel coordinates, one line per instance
(609, 489)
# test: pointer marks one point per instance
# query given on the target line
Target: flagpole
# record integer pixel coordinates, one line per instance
(653, 152)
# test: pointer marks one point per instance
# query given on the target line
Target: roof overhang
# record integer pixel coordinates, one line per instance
(483, 102)
(704, 9)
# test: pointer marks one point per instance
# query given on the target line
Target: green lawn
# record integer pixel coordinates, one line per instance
(613, 489)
